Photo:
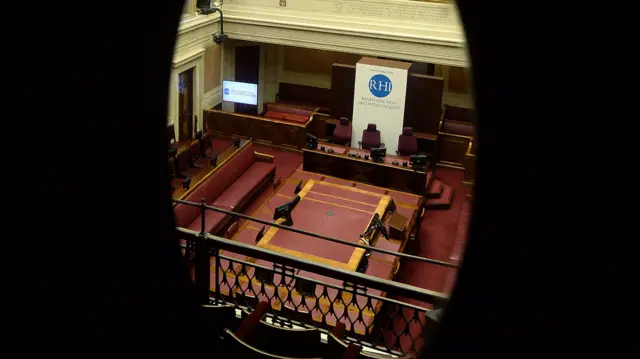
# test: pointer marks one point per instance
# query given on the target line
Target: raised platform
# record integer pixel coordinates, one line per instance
(332, 210)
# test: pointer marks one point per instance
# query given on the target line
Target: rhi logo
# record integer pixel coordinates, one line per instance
(226, 91)
(380, 86)
(283, 3)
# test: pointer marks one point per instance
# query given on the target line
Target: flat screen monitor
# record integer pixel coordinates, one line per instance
(419, 160)
(240, 92)
(378, 153)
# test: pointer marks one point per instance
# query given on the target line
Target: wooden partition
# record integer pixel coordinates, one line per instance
(460, 114)
(260, 129)
(423, 104)
(305, 96)
(343, 80)
(385, 174)
(470, 165)
(454, 141)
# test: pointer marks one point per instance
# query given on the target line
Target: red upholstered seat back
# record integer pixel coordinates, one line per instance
(278, 107)
(185, 214)
(370, 137)
(296, 118)
(407, 142)
(458, 114)
(274, 115)
(458, 128)
(213, 186)
(342, 132)
(284, 116)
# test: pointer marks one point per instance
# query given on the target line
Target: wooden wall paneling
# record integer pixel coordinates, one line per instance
(426, 145)
(247, 69)
(469, 169)
(343, 78)
(362, 172)
(292, 136)
(259, 129)
(348, 168)
(316, 61)
(329, 165)
(222, 125)
(211, 122)
(263, 131)
(452, 148)
(459, 114)
(227, 123)
(318, 126)
(423, 103)
(306, 96)
(458, 79)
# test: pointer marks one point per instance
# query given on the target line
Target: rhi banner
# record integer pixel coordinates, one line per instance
(379, 97)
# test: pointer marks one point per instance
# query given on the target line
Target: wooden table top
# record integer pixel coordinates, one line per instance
(309, 214)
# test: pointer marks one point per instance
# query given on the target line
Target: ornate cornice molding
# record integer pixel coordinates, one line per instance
(197, 32)
(393, 18)
(415, 31)
(365, 45)
(212, 98)
(186, 57)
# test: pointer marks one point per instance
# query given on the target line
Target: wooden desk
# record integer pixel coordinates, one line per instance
(339, 164)
(426, 142)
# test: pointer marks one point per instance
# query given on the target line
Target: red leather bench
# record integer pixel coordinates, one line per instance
(460, 114)
(231, 187)
(282, 112)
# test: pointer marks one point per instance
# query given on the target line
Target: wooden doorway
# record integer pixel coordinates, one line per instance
(247, 70)
(185, 104)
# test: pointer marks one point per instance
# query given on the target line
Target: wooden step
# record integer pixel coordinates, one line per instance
(444, 201)
(436, 189)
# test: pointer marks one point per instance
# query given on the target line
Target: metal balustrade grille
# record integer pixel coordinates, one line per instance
(380, 314)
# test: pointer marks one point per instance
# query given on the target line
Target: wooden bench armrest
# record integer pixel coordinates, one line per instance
(263, 157)
(455, 135)
(469, 154)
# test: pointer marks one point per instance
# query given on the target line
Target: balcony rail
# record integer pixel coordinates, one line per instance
(379, 314)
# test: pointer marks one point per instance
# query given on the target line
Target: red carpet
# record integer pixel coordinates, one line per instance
(438, 234)
(442, 231)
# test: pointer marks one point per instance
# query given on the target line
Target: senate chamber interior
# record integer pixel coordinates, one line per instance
(322, 170)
